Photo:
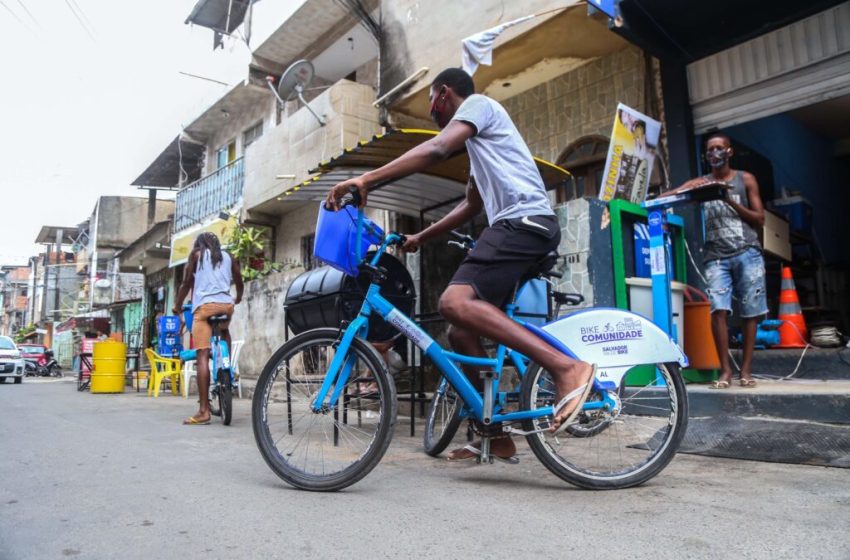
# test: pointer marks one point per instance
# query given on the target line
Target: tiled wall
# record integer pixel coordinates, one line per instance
(580, 102)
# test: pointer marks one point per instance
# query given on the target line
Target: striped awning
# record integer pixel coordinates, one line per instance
(433, 193)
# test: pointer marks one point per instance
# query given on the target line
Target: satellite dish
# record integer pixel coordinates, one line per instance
(296, 79)
(293, 83)
(102, 283)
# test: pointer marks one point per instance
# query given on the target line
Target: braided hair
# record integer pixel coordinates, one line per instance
(207, 240)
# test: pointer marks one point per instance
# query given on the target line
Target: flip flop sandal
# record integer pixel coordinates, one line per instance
(719, 385)
(747, 382)
(582, 391)
(192, 421)
(477, 453)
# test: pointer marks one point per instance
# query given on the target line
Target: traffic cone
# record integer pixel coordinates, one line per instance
(793, 332)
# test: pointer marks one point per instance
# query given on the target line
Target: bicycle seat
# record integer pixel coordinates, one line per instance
(543, 266)
(216, 319)
(562, 298)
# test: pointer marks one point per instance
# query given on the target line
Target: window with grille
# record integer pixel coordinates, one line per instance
(307, 258)
(585, 160)
(252, 134)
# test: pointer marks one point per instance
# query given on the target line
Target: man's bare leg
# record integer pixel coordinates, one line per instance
(749, 327)
(203, 378)
(466, 342)
(461, 307)
(720, 330)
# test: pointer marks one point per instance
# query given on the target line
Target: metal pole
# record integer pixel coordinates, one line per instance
(44, 281)
(59, 234)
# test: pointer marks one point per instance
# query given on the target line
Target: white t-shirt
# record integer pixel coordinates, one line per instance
(504, 170)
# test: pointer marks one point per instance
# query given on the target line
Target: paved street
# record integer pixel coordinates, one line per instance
(118, 476)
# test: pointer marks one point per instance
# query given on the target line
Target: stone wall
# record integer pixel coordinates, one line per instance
(259, 320)
(583, 101)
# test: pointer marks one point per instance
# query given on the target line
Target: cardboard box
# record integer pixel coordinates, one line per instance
(775, 236)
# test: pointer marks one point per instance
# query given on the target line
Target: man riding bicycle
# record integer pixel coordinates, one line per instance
(505, 182)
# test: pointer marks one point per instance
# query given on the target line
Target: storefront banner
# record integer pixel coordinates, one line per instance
(631, 154)
(181, 244)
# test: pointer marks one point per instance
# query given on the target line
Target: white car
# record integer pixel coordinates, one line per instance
(11, 363)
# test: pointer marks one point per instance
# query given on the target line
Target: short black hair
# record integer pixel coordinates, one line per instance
(455, 78)
(718, 134)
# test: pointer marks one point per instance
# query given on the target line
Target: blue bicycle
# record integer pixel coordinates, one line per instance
(222, 379)
(317, 432)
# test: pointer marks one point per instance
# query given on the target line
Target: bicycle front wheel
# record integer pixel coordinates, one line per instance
(334, 448)
(613, 449)
(443, 418)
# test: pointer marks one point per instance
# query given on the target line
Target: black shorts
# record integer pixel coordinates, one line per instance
(504, 253)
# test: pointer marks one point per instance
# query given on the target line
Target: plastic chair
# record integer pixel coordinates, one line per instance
(187, 372)
(190, 370)
(234, 360)
(160, 369)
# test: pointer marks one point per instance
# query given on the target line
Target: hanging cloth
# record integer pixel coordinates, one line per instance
(478, 49)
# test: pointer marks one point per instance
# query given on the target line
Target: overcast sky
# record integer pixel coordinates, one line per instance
(90, 94)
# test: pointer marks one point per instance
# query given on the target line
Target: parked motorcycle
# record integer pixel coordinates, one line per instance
(49, 366)
(44, 366)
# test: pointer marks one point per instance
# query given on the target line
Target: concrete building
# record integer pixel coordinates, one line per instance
(14, 299)
(560, 76)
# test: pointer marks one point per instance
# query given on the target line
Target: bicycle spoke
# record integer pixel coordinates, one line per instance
(611, 445)
(318, 444)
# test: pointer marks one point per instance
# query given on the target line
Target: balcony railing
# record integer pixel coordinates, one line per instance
(220, 190)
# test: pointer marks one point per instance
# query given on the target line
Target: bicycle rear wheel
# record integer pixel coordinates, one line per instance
(443, 418)
(615, 449)
(225, 397)
(334, 448)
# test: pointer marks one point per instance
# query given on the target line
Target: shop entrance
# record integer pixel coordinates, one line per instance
(801, 159)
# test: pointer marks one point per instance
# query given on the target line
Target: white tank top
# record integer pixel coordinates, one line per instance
(212, 284)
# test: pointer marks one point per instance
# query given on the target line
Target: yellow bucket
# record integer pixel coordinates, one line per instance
(108, 358)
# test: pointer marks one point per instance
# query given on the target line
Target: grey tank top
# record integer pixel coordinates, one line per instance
(726, 234)
(212, 284)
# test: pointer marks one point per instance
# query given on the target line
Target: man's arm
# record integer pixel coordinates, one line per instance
(754, 215)
(467, 209)
(188, 282)
(448, 142)
(236, 273)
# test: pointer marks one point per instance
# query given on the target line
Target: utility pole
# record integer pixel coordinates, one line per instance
(152, 206)
(44, 281)
(59, 234)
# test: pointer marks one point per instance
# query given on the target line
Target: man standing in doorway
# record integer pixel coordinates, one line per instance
(506, 184)
(734, 265)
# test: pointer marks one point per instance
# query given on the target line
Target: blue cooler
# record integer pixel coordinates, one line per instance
(797, 211)
(336, 238)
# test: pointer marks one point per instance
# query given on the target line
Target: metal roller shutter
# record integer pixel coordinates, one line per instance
(803, 63)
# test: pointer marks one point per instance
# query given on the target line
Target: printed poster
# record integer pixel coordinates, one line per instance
(631, 154)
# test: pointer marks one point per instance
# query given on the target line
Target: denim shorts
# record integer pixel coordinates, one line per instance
(741, 276)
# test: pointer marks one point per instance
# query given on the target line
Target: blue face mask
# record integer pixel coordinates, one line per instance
(718, 157)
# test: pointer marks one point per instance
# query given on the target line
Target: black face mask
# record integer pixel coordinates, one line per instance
(717, 157)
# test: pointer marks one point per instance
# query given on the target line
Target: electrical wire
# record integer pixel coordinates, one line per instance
(80, 11)
(80, 20)
(362, 14)
(32, 17)
(14, 15)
